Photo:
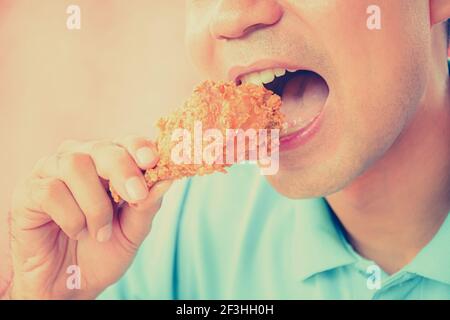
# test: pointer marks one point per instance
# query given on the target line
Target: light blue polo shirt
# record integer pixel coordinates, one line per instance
(231, 236)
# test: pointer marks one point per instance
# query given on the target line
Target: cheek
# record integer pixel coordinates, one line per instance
(380, 79)
(382, 99)
(200, 45)
(375, 115)
(199, 50)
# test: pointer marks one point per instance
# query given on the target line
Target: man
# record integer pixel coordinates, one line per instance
(359, 207)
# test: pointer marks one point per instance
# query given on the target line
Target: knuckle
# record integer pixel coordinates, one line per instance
(39, 164)
(110, 159)
(121, 156)
(51, 189)
(75, 161)
(67, 145)
(120, 153)
(73, 224)
(130, 139)
(100, 145)
(152, 207)
(100, 211)
(135, 142)
(108, 150)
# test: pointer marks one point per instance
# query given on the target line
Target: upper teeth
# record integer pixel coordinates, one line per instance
(263, 77)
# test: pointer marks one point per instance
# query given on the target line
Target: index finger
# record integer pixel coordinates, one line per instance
(141, 149)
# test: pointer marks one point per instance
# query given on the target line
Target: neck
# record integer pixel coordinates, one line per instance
(396, 207)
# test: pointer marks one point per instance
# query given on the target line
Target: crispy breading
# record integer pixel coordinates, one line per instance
(216, 105)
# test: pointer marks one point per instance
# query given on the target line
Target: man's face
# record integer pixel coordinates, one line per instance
(362, 89)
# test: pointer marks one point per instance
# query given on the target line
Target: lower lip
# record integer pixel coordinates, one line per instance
(302, 136)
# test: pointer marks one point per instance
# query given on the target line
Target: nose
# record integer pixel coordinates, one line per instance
(236, 18)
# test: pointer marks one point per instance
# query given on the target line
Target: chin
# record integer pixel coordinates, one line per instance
(295, 186)
(316, 182)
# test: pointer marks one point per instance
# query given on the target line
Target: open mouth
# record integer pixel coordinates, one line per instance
(303, 93)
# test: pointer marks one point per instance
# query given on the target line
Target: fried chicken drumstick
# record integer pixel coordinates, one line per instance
(216, 105)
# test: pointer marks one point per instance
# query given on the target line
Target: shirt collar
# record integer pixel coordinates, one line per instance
(318, 241)
(433, 261)
(319, 245)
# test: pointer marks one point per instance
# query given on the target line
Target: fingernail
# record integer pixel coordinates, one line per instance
(104, 233)
(136, 189)
(145, 156)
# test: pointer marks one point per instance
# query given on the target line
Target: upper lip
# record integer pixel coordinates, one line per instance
(237, 72)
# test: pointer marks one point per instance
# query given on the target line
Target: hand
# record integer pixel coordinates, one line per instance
(63, 216)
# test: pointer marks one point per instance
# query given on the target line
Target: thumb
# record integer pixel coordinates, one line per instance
(136, 219)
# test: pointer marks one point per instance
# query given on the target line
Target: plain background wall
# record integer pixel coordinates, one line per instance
(119, 73)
